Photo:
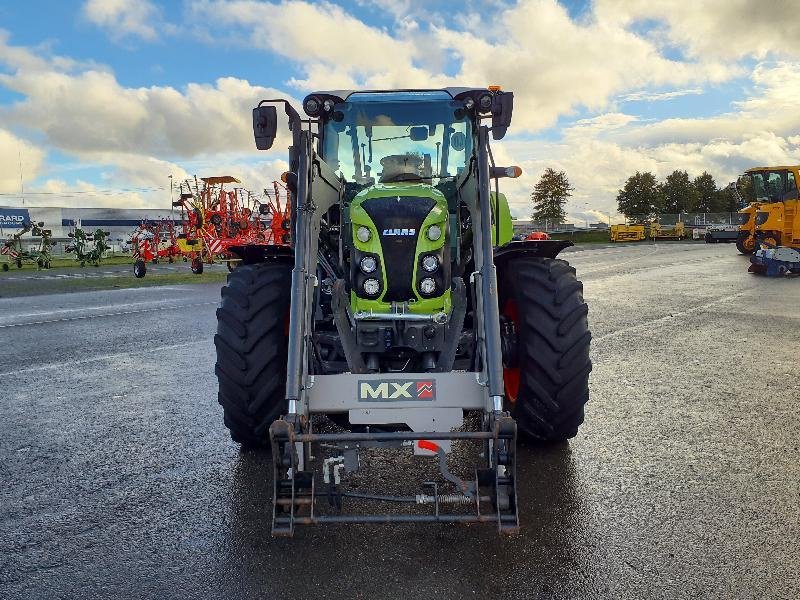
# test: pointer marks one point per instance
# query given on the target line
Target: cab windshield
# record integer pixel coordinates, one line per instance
(773, 185)
(399, 137)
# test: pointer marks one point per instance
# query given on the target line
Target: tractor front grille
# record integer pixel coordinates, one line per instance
(399, 221)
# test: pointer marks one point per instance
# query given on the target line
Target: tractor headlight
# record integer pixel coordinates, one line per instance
(430, 263)
(485, 102)
(368, 264)
(761, 217)
(427, 286)
(434, 232)
(363, 234)
(372, 287)
(312, 106)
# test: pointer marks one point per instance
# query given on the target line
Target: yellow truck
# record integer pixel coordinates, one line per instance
(775, 219)
(627, 233)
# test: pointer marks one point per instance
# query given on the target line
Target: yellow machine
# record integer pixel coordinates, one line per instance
(746, 240)
(627, 233)
(659, 232)
(776, 221)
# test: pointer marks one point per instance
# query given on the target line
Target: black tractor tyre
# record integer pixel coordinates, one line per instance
(197, 266)
(5, 266)
(252, 344)
(741, 243)
(139, 269)
(544, 300)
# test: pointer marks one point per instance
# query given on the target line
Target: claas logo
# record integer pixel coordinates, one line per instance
(396, 389)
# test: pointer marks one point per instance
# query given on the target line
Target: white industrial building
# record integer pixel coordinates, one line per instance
(119, 222)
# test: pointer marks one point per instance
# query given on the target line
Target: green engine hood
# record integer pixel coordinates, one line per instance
(399, 217)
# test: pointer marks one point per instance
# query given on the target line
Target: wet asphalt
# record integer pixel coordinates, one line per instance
(120, 481)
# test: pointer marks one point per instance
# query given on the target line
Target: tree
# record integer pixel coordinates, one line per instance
(549, 197)
(726, 200)
(641, 197)
(705, 188)
(677, 189)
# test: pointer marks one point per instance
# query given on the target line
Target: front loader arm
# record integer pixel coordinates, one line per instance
(318, 189)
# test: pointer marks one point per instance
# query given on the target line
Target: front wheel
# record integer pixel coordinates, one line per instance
(252, 345)
(546, 347)
(197, 266)
(745, 242)
(139, 269)
(5, 266)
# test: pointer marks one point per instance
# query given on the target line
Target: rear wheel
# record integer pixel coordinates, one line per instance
(197, 266)
(546, 347)
(251, 344)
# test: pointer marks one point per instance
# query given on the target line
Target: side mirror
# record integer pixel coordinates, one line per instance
(502, 108)
(418, 134)
(458, 141)
(265, 126)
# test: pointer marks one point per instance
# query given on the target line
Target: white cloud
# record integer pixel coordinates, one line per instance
(552, 63)
(125, 18)
(15, 154)
(658, 96)
(717, 29)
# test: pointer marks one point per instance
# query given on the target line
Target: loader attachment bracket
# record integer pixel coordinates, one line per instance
(488, 496)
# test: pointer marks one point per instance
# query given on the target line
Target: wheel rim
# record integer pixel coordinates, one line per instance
(511, 374)
(749, 243)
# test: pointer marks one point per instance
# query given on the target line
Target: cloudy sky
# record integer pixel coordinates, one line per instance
(102, 100)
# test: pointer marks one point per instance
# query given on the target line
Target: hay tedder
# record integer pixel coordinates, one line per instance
(218, 219)
(151, 242)
(402, 320)
(17, 255)
(88, 247)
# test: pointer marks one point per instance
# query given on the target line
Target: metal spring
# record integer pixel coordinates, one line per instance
(445, 499)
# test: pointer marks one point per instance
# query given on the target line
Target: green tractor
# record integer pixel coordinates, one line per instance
(402, 305)
(17, 255)
(84, 252)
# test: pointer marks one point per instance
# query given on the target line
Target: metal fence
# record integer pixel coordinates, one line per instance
(691, 219)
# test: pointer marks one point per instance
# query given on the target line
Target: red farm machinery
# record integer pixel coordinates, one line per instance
(218, 224)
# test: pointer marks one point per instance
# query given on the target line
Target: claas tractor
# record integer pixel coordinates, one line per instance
(401, 306)
(17, 255)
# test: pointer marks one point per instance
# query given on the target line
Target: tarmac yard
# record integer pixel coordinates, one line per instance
(120, 480)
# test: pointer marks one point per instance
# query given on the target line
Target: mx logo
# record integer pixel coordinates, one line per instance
(389, 390)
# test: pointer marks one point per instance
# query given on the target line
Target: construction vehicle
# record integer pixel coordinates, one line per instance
(401, 305)
(627, 233)
(775, 219)
(16, 254)
(775, 262)
(659, 232)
